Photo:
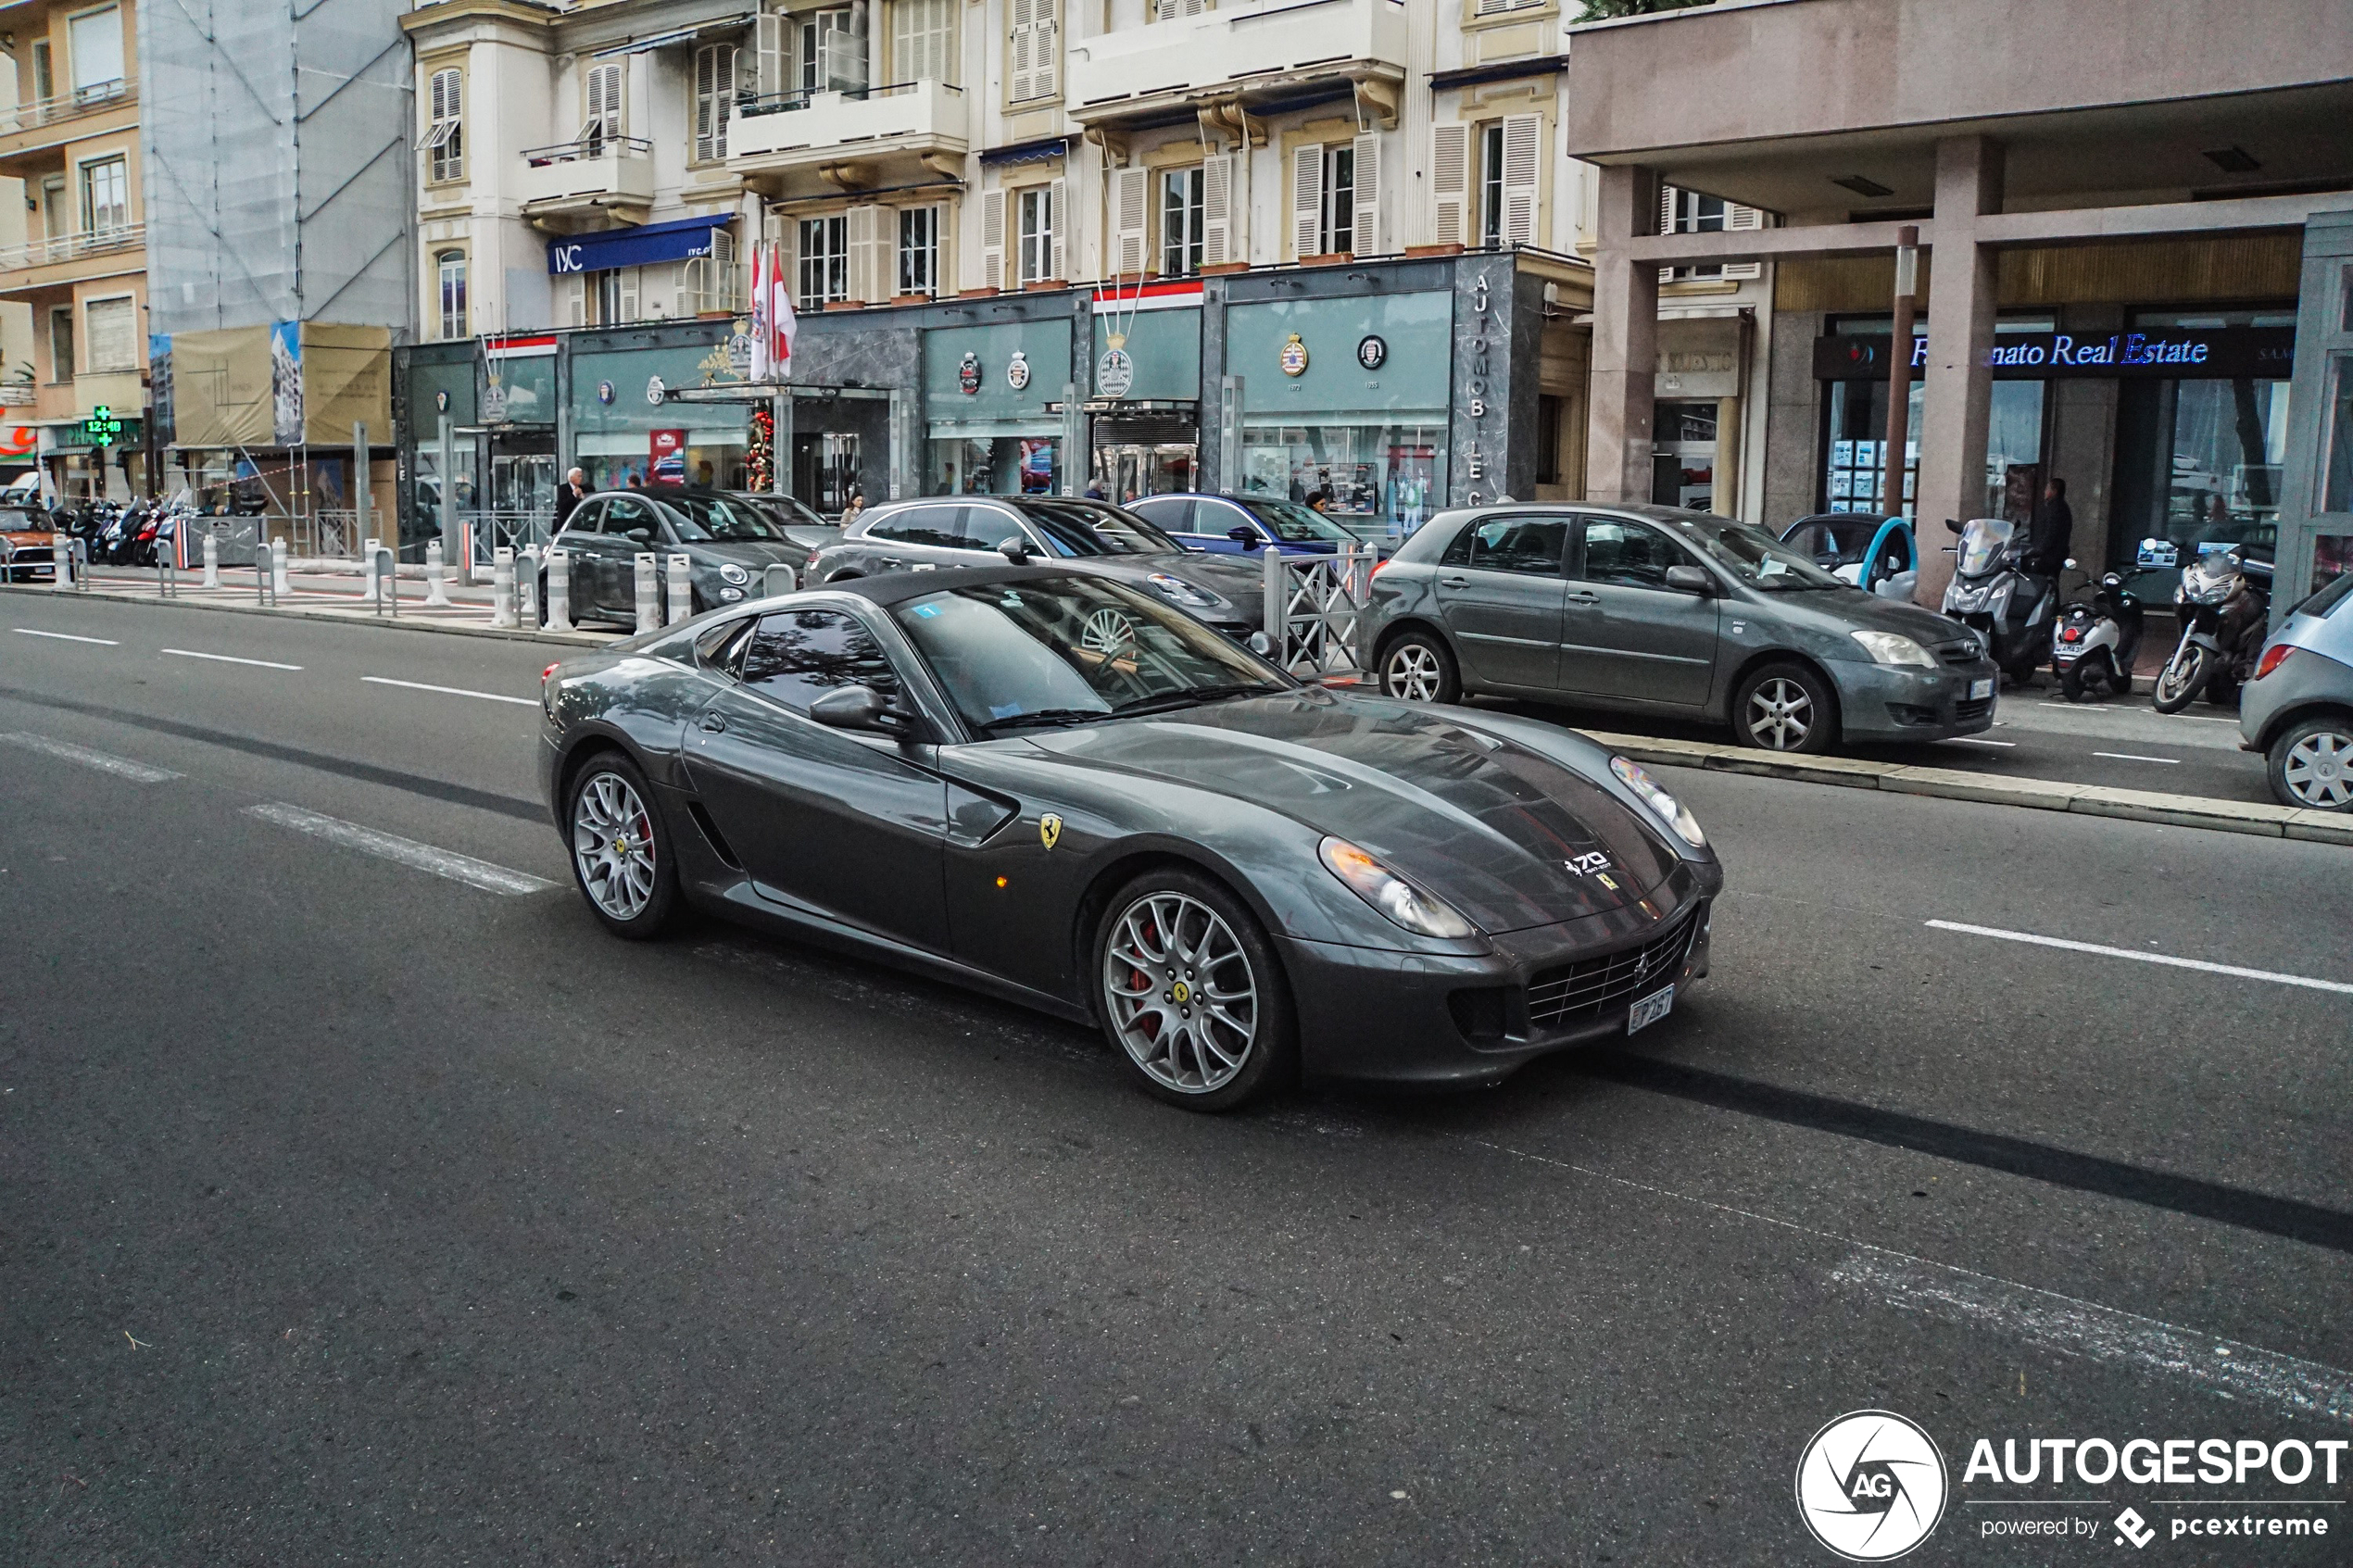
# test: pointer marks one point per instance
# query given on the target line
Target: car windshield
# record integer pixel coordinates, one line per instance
(701, 519)
(1070, 650)
(1755, 557)
(784, 510)
(1093, 528)
(1293, 523)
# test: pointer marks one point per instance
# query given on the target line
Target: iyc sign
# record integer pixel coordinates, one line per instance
(102, 428)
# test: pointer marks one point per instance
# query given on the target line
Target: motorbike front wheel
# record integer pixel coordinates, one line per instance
(2183, 678)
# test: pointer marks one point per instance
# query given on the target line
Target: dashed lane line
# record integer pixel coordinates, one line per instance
(2136, 757)
(408, 852)
(2168, 959)
(67, 637)
(104, 762)
(450, 691)
(230, 659)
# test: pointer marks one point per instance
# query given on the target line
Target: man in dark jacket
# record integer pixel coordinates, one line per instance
(569, 495)
(2050, 535)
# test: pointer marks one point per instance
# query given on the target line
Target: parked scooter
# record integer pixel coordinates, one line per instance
(2011, 610)
(2096, 641)
(2225, 605)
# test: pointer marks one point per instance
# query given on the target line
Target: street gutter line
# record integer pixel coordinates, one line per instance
(68, 637)
(402, 851)
(104, 762)
(230, 659)
(2276, 978)
(450, 691)
(1972, 740)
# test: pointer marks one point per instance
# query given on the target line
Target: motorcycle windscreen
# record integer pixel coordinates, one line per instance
(1982, 540)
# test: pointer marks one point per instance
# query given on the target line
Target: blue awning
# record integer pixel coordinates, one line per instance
(681, 240)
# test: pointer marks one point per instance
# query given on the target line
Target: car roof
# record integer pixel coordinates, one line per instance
(897, 587)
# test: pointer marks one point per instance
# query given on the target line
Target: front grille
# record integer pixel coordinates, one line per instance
(1972, 708)
(1959, 653)
(1591, 988)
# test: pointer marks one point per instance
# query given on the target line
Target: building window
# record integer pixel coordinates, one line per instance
(1033, 50)
(825, 260)
(1180, 221)
(832, 50)
(601, 120)
(106, 196)
(714, 100)
(1034, 224)
(446, 135)
(93, 51)
(450, 267)
(114, 341)
(61, 343)
(44, 74)
(612, 303)
(1490, 184)
(1549, 408)
(1336, 231)
(1688, 212)
(923, 40)
(919, 250)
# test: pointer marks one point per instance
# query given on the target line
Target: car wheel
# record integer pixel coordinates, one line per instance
(1417, 667)
(619, 848)
(2311, 765)
(1190, 993)
(1785, 708)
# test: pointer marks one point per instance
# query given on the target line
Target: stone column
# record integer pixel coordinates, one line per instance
(1625, 354)
(1957, 386)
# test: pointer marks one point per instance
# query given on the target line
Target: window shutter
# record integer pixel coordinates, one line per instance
(714, 100)
(865, 252)
(768, 52)
(1306, 199)
(629, 280)
(112, 346)
(603, 119)
(992, 238)
(1216, 207)
(1738, 216)
(576, 301)
(1523, 156)
(1045, 49)
(1130, 193)
(1364, 224)
(1449, 183)
(1055, 223)
(1020, 33)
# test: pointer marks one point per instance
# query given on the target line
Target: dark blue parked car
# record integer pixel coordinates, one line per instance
(1243, 524)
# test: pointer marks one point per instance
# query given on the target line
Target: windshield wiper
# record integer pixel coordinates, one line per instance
(1190, 697)
(1046, 718)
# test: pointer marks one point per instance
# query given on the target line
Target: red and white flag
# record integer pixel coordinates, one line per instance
(762, 369)
(782, 322)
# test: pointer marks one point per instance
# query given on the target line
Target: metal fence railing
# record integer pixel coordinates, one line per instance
(1314, 610)
(483, 534)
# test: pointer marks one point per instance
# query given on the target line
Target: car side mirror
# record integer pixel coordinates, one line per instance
(1240, 534)
(1014, 549)
(1689, 580)
(848, 708)
(1952, 525)
(641, 535)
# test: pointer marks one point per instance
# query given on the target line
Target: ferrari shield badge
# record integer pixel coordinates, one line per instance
(1049, 829)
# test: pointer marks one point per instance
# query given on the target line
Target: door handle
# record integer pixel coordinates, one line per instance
(1584, 598)
(712, 723)
(1454, 582)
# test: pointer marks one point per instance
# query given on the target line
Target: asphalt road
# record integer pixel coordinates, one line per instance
(354, 1212)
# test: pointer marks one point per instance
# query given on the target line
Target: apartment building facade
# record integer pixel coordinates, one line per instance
(1324, 249)
(70, 139)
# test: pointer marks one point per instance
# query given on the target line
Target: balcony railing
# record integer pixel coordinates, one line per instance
(66, 105)
(1243, 46)
(588, 147)
(748, 105)
(67, 247)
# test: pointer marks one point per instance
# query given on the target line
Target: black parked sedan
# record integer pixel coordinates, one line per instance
(729, 539)
(1051, 786)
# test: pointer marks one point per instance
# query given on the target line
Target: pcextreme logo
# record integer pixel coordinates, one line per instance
(1871, 1485)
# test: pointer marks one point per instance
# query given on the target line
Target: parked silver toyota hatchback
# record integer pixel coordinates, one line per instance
(1657, 610)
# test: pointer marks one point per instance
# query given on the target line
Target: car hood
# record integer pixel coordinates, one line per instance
(1486, 824)
(1847, 611)
(1241, 584)
(751, 553)
(27, 535)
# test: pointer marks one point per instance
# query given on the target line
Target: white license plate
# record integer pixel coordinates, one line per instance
(1650, 1009)
(1981, 688)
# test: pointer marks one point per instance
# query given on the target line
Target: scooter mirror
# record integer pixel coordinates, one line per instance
(1952, 525)
(2070, 563)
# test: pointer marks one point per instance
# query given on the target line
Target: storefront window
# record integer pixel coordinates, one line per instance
(2200, 462)
(2336, 449)
(1683, 465)
(1378, 479)
(1001, 465)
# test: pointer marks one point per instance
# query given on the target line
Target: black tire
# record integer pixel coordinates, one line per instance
(1419, 667)
(2322, 751)
(659, 905)
(1768, 712)
(1162, 1058)
(2071, 682)
(2179, 683)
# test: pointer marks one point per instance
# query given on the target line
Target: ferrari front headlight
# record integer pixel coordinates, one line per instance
(1671, 811)
(1394, 897)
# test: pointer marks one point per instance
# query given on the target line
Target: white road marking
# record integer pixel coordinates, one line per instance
(450, 691)
(68, 637)
(2043, 1317)
(230, 659)
(405, 851)
(2059, 1322)
(2273, 975)
(2136, 757)
(2077, 707)
(104, 762)
(1973, 740)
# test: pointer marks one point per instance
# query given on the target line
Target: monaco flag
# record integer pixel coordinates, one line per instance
(782, 324)
(763, 366)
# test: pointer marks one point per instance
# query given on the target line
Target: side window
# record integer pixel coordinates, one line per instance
(1529, 545)
(985, 527)
(624, 513)
(588, 520)
(796, 656)
(1177, 515)
(1632, 554)
(1458, 552)
(1812, 539)
(931, 526)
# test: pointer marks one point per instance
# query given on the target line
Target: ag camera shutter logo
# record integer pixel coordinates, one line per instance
(1871, 1485)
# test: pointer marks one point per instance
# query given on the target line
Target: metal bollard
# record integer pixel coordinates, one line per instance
(268, 570)
(778, 579)
(436, 592)
(167, 569)
(61, 572)
(1275, 605)
(649, 600)
(384, 578)
(681, 587)
(502, 586)
(558, 590)
(211, 559)
(527, 567)
(368, 569)
(280, 585)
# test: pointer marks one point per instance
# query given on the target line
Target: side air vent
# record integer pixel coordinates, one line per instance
(711, 836)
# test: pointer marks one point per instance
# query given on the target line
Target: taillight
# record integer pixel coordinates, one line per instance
(544, 674)
(2071, 634)
(1378, 567)
(2273, 657)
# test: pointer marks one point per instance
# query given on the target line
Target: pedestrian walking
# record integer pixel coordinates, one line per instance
(857, 504)
(2051, 533)
(569, 495)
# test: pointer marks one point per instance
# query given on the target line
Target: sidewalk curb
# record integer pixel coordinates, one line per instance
(2261, 819)
(514, 634)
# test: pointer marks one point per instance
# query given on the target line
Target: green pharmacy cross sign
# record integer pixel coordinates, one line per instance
(102, 428)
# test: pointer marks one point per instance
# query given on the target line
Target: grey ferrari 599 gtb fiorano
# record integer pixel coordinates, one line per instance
(1053, 787)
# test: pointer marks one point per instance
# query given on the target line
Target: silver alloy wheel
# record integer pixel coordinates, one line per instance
(1412, 674)
(1780, 714)
(1179, 991)
(612, 845)
(2319, 770)
(1109, 633)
